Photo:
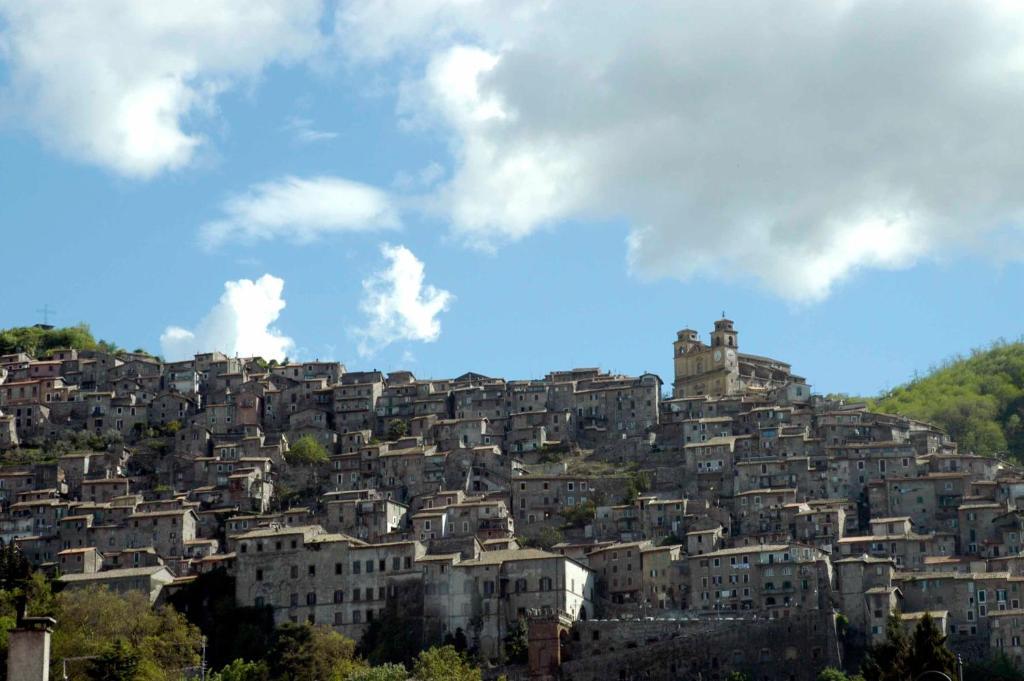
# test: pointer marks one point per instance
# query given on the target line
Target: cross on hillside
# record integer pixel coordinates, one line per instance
(46, 311)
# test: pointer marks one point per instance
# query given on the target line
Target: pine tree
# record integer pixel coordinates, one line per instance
(888, 660)
(929, 651)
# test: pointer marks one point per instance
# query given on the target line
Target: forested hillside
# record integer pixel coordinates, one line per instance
(38, 341)
(978, 399)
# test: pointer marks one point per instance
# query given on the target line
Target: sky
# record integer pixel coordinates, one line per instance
(518, 187)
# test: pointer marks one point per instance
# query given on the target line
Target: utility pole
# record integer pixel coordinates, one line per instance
(202, 668)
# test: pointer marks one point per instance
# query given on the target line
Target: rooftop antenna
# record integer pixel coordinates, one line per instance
(723, 314)
(46, 311)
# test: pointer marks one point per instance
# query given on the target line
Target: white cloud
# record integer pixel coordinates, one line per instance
(301, 209)
(303, 131)
(398, 305)
(793, 147)
(115, 82)
(240, 323)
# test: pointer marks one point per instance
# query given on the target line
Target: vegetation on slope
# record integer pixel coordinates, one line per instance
(39, 341)
(978, 400)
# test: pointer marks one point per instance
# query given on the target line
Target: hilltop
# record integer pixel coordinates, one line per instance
(978, 400)
(40, 340)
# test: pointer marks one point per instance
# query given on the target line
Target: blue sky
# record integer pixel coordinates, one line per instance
(561, 215)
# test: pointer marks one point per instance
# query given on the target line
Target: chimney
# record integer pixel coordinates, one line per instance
(28, 646)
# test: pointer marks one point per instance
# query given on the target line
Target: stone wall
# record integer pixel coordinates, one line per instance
(796, 648)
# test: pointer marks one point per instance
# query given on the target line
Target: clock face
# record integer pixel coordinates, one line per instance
(718, 355)
(730, 355)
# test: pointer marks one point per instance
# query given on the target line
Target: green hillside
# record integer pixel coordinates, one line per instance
(979, 400)
(38, 341)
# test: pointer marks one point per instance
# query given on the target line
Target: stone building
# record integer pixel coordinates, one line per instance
(774, 579)
(305, 574)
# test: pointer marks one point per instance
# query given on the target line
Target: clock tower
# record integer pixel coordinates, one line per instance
(706, 369)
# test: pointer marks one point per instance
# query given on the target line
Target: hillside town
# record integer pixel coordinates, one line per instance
(730, 519)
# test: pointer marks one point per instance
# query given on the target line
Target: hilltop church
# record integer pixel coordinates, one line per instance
(721, 369)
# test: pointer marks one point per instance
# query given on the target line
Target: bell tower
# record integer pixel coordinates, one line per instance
(724, 335)
(686, 340)
(686, 345)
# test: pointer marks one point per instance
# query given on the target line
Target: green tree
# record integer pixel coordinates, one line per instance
(91, 621)
(384, 672)
(737, 676)
(998, 668)
(842, 624)
(899, 657)
(444, 664)
(638, 484)
(833, 674)
(240, 670)
(545, 538)
(232, 632)
(116, 662)
(39, 342)
(888, 660)
(581, 514)
(978, 400)
(306, 451)
(517, 642)
(929, 651)
(396, 636)
(305, 652)
(397, 430)
(14, 567)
